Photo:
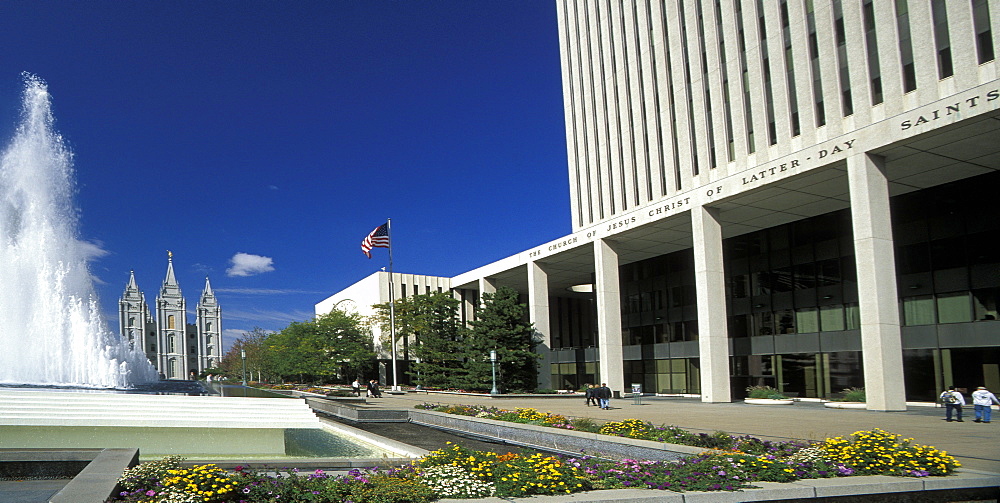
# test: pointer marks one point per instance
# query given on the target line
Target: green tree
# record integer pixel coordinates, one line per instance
(428, 329)
(254, 343)
(500, 324)
(332, 347)
(347, 343)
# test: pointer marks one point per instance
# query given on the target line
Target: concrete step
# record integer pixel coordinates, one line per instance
(58, 408)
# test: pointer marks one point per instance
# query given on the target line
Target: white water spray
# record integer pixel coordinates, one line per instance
(51, 329)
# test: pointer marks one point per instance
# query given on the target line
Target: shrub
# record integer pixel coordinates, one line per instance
(761, 391)
(388, 489)
(853, 395)
(584, 424)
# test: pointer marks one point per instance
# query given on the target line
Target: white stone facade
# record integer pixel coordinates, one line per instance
(694, 124)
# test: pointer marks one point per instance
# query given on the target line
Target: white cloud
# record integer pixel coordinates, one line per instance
(91, 250)
(245, 264)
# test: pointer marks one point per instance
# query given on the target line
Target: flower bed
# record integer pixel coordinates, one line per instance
(458, 472)
(874, 452)
(734, 463)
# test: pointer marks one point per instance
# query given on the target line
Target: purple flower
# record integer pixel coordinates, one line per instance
(150, 493)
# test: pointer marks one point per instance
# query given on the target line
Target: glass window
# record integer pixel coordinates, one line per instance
(918, 310)
(171, 324)
(828, 272)
(954, 308)
(985, 303)
(905, 46)
(853, 315)
(805, 276)
(807, 320)
(871, 43)
(984, 37)
(741, 286)
(831, 318)
(785, 321)
(739, 325)
(763, 323)
(942, 39)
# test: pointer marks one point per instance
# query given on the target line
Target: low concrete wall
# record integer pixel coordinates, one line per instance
(94, 483)
(554, 439)
(346, 411)
(99, 480)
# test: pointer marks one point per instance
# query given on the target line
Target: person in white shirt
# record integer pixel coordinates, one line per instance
(983, 399)
(953, 401)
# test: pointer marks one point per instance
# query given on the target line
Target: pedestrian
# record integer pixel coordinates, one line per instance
(373, 389)
(603, 396)
(953, 401)
(356, 387)
(982, 399)
(589, 394)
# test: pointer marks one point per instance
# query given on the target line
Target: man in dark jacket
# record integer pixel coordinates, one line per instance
(589, 394)
(603, 396)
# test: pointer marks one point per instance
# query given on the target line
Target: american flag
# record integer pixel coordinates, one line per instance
(379, 238)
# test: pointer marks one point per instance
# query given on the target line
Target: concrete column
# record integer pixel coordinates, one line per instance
(486, 285)
(710, 287)
(609, 315)
(538, 314)
(881, 344)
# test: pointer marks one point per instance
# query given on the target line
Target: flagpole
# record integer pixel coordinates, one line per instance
(392, 308)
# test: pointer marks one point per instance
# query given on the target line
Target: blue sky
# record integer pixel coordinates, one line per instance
(278, 134)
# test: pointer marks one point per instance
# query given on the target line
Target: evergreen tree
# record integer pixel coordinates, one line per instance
(428, 330)
(500, 324)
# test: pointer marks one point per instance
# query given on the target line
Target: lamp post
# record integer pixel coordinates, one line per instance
(493, 360)
(243, 355)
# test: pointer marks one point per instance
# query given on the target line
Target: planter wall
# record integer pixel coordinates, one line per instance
(768, 401)
(555, 439)
(846, 405)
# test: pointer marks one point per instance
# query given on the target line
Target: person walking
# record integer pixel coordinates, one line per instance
(603, 396)
(589, 394)
(953, 401)
(982, 399)
(356, 387)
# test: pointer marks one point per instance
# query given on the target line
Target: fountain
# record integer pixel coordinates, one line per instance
(52, 332)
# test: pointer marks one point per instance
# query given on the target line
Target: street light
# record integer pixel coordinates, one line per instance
(493, 360)
(243, 355)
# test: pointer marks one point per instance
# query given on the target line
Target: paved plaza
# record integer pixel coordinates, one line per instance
(976, 445)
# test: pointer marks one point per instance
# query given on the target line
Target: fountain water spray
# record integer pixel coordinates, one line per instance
(51, 329)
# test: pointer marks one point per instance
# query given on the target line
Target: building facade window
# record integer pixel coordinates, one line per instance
(984, 35)
(840, 36)
(942, 39)
(871, 47)
(905, 46)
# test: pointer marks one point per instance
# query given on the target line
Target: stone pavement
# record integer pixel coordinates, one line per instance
(976, 445)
